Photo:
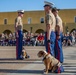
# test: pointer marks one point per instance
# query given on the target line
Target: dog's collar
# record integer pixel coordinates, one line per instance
(46, 56)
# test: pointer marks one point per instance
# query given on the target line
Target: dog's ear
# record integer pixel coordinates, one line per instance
(23, 48)
(42, 52)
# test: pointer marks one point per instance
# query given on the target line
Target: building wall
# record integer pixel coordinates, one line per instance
(66, 15)
(10, 16)
(70, 27)
(34, 15)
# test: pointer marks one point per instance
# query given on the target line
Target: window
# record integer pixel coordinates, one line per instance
(42, 20)
(75, 19)
(29, 20)
(5, 21)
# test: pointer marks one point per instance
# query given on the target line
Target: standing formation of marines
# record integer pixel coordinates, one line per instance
(53, 34)
(54, 30)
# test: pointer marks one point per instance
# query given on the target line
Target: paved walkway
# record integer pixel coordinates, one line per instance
(33, 66)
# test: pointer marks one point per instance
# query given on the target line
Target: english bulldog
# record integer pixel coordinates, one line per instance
(24, 54)
(51, 63)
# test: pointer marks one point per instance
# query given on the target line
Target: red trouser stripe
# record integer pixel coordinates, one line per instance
(58, 55)
(58, 69)
(49, 50)
(16, 47)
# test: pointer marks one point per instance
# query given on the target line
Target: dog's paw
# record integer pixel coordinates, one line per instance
(27, 57)
(52, 71)
(45, 72)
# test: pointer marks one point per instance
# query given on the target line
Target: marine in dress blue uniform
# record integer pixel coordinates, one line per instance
(19, 33)
(59, 31)
(50, 28)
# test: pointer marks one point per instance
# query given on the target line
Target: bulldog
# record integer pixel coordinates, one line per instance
(51, 63)
(24, 54)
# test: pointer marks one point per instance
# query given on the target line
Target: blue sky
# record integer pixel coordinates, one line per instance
(30, 5)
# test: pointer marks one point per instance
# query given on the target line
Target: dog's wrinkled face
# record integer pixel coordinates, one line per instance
(41, 53)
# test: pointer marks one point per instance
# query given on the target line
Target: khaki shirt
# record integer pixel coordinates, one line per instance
(18, 23)
(50, 19)
(59, 23)
(50, 22)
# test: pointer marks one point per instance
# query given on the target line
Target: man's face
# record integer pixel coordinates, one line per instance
(55, 12)
(20, 14)
(46, 8)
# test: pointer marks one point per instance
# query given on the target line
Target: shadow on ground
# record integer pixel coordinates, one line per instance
(28, 71)
(14, 61)
(21, 71)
